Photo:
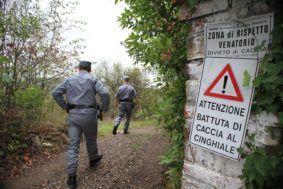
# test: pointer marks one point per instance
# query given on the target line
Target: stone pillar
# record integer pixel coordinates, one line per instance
(203, 169)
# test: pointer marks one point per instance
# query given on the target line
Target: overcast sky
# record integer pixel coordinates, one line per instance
(102, 33)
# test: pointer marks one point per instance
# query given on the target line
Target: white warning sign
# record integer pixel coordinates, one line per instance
(223, 105)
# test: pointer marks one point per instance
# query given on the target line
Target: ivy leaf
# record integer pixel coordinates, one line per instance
(258, 48)
(257, 81)
(268, 57)
(247, 79)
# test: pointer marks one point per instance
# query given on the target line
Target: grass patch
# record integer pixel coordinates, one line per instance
(105, 127)
(56, 117)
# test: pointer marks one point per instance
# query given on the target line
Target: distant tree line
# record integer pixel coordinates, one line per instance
(142, 79)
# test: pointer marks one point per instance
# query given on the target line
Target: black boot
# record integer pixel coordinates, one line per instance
(126, 132)
(114, 131)
(93, 163)
(72, 182)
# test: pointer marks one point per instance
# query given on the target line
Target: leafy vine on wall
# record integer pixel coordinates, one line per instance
(158, 41)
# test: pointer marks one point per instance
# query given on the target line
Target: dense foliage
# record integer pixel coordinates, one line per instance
(263, 167)
(269, 83)
(33, 51)
(33, 55)
(158, 41)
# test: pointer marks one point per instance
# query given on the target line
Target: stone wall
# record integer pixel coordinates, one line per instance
(203, 169)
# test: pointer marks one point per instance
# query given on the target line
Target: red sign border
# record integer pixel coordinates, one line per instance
(239, 96)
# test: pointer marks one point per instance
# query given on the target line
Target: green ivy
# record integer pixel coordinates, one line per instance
(263, 167)
(158, 41)
(31, 101)
(269, 83)
(171, 111)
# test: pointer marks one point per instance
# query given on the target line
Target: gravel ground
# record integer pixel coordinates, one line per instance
(129, 161)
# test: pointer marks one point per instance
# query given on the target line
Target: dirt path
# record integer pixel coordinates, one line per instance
(129, 161)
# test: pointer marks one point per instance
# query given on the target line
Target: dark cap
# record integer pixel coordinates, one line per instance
(125, 77)
(85, 64)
